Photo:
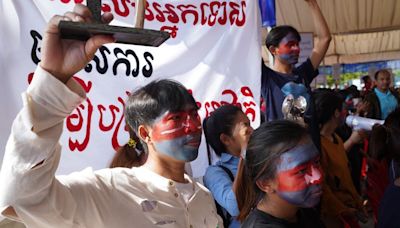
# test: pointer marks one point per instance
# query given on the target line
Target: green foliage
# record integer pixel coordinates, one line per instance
(344, 78)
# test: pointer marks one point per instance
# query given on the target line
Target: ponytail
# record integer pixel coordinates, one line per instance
(247, 193)
(130, 155)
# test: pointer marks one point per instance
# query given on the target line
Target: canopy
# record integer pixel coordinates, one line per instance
(362, 30)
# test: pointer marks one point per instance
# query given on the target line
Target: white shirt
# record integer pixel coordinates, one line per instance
(119, 197)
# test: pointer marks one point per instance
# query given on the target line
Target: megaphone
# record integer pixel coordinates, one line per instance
(362, 123)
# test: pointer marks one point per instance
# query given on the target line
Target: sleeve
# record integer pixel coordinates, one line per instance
(331, 205)
(27, 178)
(307, 71)
(220, 185)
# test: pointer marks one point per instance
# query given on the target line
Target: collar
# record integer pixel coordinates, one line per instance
(151, 178)
(378, 92)
(225, 157)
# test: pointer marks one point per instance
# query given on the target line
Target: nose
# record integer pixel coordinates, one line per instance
(191, 124)
(315, 176)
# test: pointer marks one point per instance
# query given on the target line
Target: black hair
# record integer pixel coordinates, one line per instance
(266, 145)
(129, 155)
(381, 71)
(384, 140)
(276, 35)
(326, 103)
(221, 121)
(147, 103)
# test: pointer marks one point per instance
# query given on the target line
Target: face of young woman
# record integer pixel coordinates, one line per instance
(288, 50)
(299, 176)
(178, 134)
(241, 132)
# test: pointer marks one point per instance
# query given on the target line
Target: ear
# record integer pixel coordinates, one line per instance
(143, 134)
(225, 139)
(337, 113)
(273, 50)
(266, 186)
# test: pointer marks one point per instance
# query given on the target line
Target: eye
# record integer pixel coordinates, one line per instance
(175, 117)
(302, 171)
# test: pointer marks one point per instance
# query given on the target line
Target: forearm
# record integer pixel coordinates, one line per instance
(32, 150)
(322, 32)
(321, 27)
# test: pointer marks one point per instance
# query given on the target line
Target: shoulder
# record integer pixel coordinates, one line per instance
(259, 219)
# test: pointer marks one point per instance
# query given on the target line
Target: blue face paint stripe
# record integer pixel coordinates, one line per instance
(297, 156)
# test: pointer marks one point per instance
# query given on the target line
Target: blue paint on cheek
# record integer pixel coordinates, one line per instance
(177, 149)
(303, 198)
(289, 58)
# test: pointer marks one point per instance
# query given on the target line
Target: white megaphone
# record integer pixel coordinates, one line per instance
(362, 123)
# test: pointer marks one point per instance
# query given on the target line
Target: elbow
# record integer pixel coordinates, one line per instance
(326, 39)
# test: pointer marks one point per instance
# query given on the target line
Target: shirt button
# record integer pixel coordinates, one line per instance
(176, 195)
(171, 183)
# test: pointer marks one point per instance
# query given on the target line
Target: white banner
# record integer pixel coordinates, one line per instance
(214, 50)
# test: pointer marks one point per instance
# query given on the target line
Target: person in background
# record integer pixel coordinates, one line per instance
(163, 114)
(340, 204)
(227, 131)
(385, 147)
(279, 182)
(382, 99)
(368, 85)
(286, 87)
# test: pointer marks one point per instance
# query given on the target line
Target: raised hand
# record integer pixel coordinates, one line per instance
(64, 58)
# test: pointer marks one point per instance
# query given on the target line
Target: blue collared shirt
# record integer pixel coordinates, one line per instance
(387, 102)
(220, 184)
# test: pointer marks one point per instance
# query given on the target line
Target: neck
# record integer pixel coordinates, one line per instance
(173, 170)
(397, 182)
(278, 208)
(382, 90)
(328, 129)
(282, 67)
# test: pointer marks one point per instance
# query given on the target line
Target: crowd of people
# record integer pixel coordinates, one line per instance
(302, 167)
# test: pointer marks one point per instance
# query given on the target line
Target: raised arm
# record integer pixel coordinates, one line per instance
(322, 32)
(32, 150)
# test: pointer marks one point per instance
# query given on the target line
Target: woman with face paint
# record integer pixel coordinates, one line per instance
(280, 181)
(227, 131)
(340, 204)
(286, 87)
(157, 194)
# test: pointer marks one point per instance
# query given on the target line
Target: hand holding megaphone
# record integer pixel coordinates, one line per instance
(362, 123)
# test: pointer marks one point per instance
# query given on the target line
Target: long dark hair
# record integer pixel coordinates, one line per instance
(149, 102)
(221, 121)
(266, 145)
(326, 102)
(384, 141)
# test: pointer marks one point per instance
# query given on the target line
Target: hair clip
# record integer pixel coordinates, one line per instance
(132, 143)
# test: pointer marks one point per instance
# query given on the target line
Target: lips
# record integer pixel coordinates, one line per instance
(193, 141)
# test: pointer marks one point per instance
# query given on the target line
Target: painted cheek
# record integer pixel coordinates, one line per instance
(288, 182)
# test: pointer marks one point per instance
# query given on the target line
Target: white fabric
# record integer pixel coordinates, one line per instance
(186, 190)
(214, 52)
(119, 197)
